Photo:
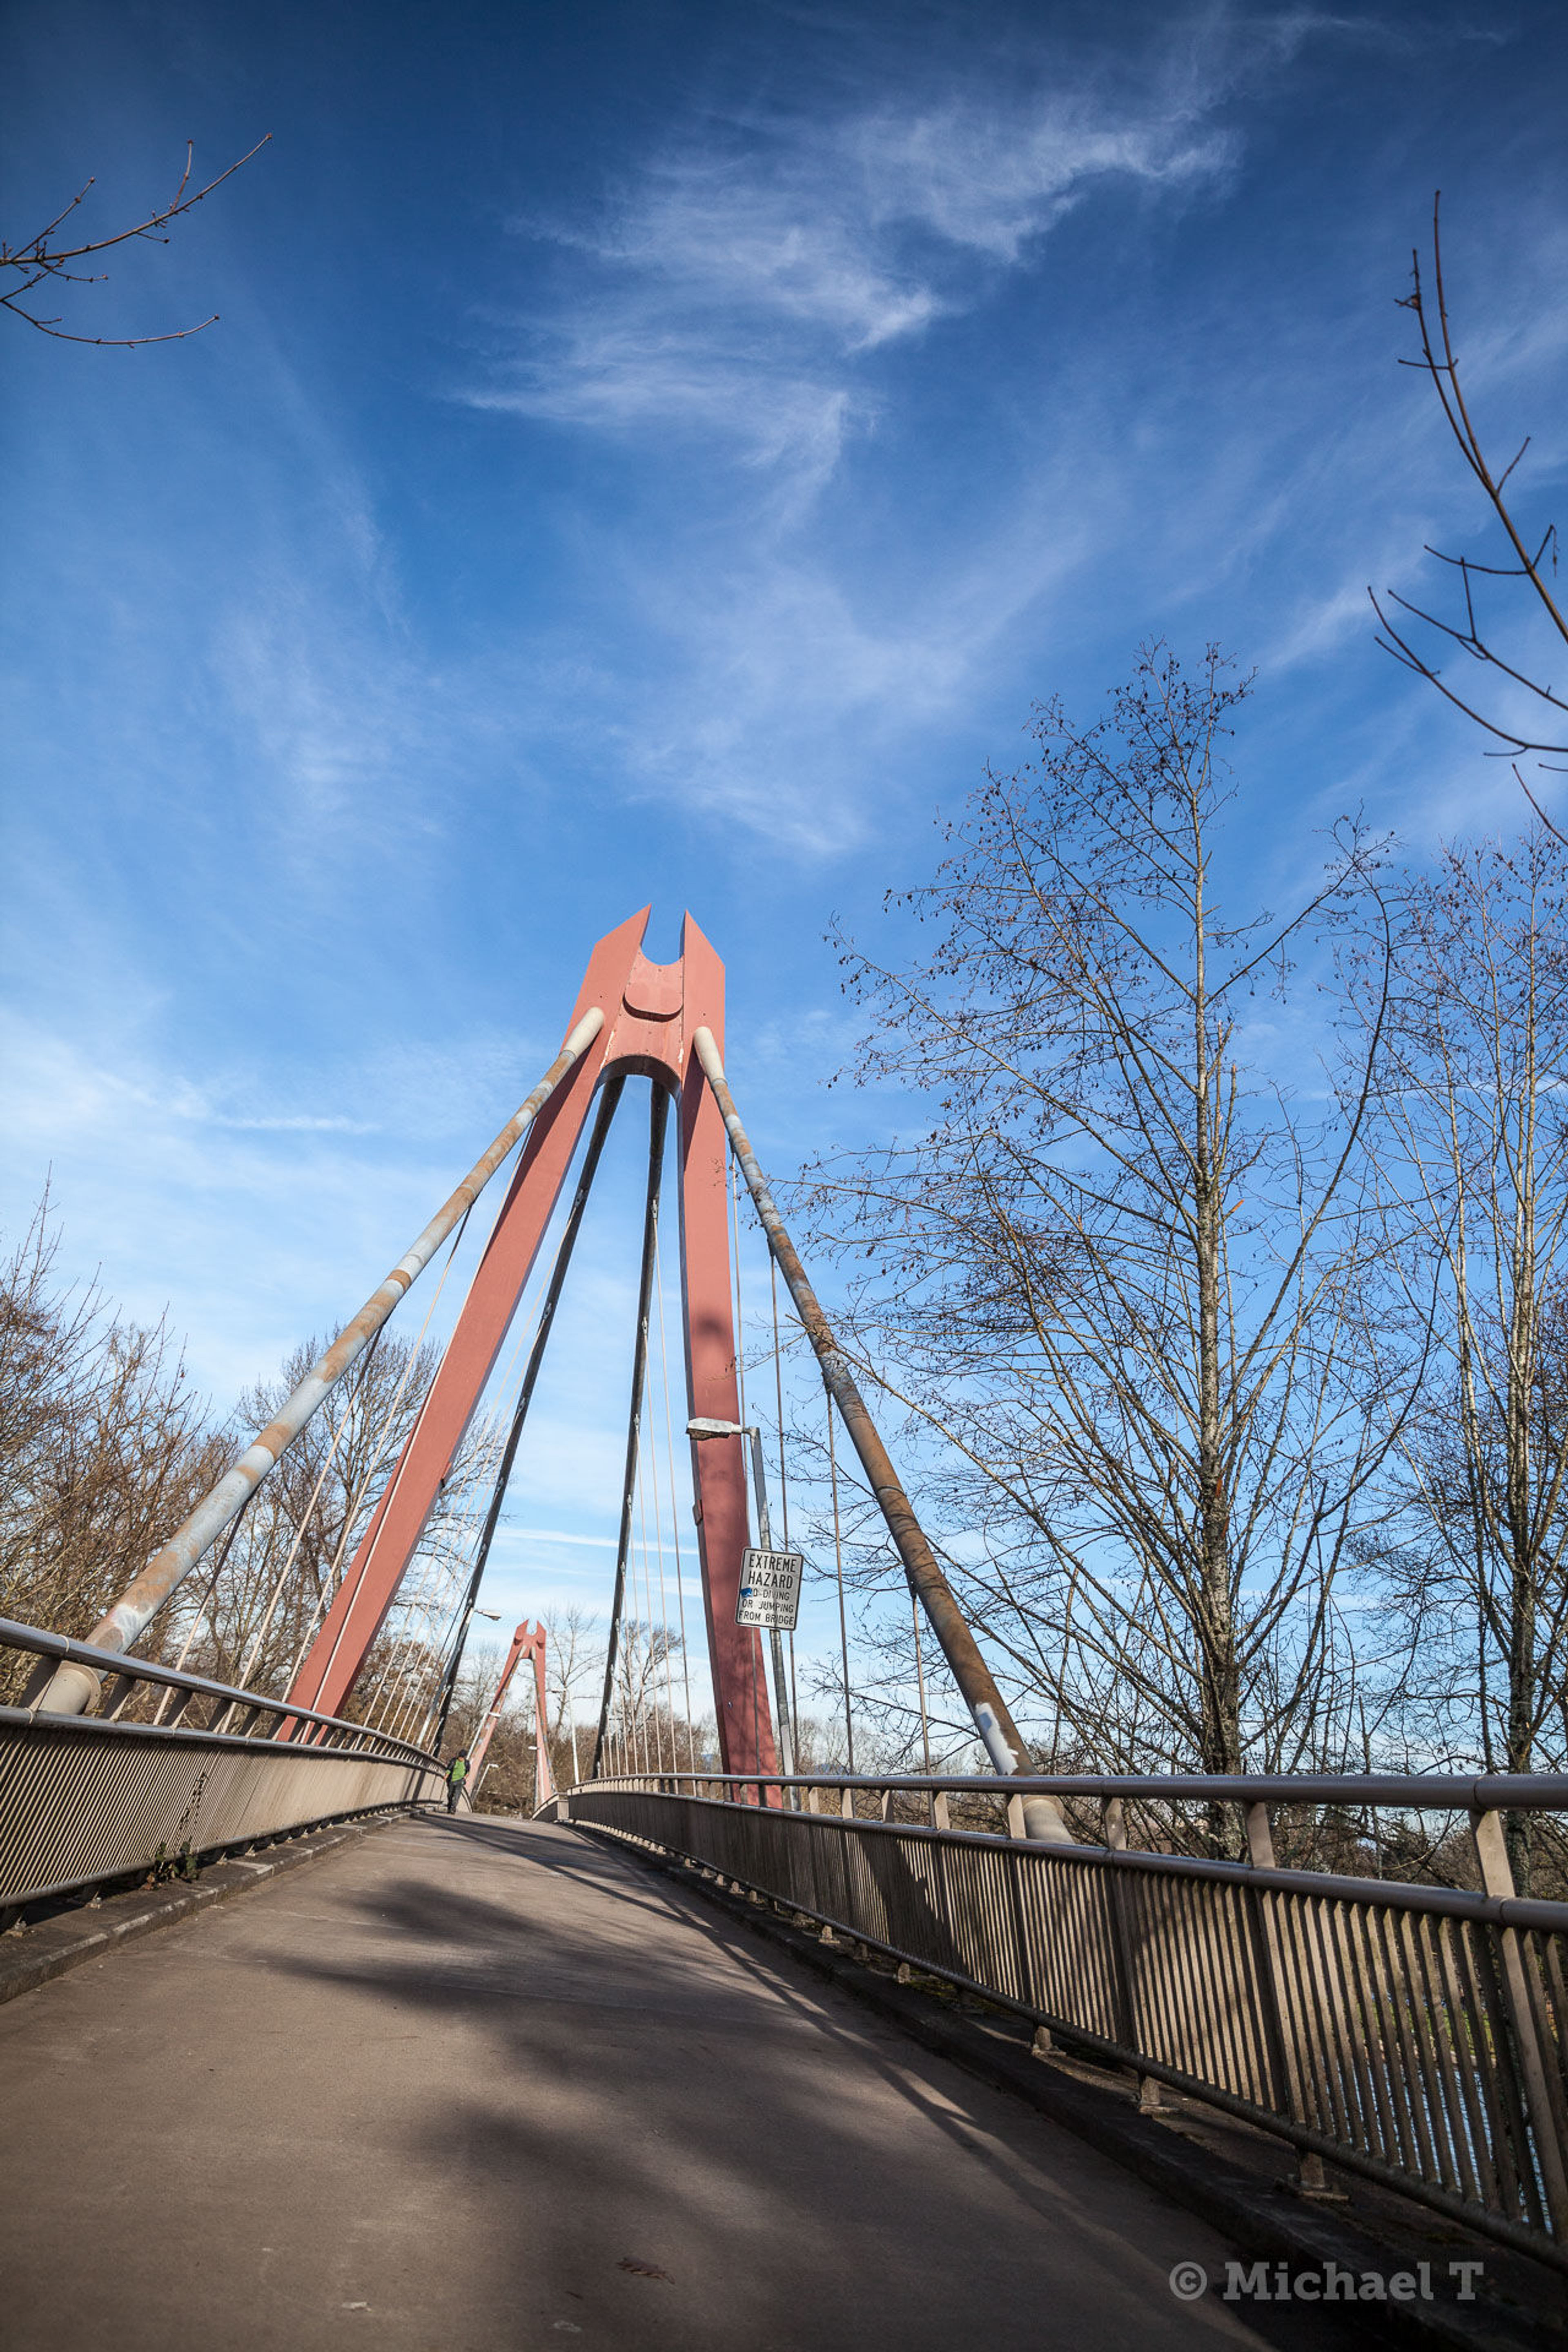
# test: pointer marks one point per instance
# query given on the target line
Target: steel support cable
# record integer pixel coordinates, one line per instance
(674, 1513)
(783, 1494)
(456, 1617)
(645, 1718)
(641, 1711)
(649, 1476)
(293, 1553)
(658, 1517)
(423, 1635)
(783, 1694)
(665, 1661)
(839, 1562)
(659, 1526)
(354, 1500)
(381, 1440)
(758, 1669)
(920, 1678)
(609, 1099)
(73, 1686)
(658, 1120)
(419, 1689)
(526, 1329)
(989, 1711)
(41, 1677)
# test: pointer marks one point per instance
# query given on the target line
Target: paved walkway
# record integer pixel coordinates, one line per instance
(476, 2086)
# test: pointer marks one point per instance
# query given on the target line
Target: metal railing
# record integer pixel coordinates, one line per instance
(88, 1799)
(1416, 2034)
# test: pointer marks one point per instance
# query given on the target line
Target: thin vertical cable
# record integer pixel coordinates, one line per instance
(838, 1563)
(658, 1122)
(378, 1453)
(740, 1312)
(758, 1669)
(675, 1520)
(783, 1493)
(659, 1541)
(608, 1100)
(920, 1677)
(778, 1393)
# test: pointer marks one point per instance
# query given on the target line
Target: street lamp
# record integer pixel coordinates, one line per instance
(700, 1428)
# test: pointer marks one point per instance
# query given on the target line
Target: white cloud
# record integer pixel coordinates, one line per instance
(742, 277)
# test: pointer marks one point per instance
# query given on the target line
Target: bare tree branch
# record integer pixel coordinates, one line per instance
(1440, 362)
(37, 261)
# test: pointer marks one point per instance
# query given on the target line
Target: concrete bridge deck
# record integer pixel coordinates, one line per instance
(477, 2087)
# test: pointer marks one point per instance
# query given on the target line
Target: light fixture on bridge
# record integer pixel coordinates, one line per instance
(700, 1427)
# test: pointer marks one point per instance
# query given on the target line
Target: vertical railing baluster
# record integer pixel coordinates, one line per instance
(1496, 1879)
(1282, 2063)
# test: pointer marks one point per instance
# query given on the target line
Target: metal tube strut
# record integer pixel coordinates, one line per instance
(73, 1688)
(993, 1718)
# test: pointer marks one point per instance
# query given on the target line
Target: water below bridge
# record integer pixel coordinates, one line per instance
(484, 2086)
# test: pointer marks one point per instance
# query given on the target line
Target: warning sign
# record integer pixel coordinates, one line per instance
(770, 1588)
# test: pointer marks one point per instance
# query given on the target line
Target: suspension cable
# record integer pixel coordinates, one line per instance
(608, 1100)
(784, 1492)
(652, 1466)
(838, 1563)
(378, 1453)
(674, 1513)
(920, 1679)
(659, 1119)
(205, 1602)
(645, 1720)
(299, 1533)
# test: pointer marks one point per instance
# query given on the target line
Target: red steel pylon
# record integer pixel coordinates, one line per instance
(651, 1014)
(528, 1642)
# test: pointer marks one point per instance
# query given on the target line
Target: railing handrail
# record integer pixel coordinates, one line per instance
(1395, 1894)
(1423, 2053)
(23, 1719)
(14, 1635)
(1484, 1792)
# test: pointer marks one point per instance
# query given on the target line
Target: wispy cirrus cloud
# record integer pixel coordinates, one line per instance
(739, 281)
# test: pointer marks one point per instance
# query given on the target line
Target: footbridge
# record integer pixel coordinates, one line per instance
(481, 2080)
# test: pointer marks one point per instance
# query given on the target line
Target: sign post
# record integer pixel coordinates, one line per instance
(770, 1590)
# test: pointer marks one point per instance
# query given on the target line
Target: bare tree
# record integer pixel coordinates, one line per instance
(1124, 1278)
(41, 260)
(251, 1612)
(573, 1665)
(1471, 1143)
(1530, 559)
(104, 1443)
(646, 1730)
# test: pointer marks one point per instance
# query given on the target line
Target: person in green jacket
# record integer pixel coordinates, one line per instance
(456, 1773)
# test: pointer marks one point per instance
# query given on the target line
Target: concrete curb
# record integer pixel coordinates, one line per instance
(55, 1946)
(1263, 2223)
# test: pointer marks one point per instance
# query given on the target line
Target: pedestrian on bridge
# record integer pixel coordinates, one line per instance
(456, 1773)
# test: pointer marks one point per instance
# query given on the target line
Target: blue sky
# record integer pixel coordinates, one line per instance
(660, 451)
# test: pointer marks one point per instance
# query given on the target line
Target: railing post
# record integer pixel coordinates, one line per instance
(1486, 1830)
(1310, 2178)
(940, 1817)
(1114, 1826)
